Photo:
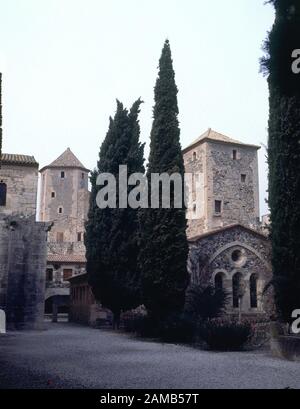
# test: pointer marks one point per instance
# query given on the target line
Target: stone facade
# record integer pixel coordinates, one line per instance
(23, 253)
(20, 175)
(225, 182)
(217, 257)
(22, 244)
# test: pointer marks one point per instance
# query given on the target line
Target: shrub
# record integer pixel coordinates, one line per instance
(141, 325)
(205, 302)
(224, 334)
(177, 328)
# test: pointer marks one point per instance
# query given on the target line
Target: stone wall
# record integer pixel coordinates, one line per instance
(240, 202)
(77, 248)
(70, 194)
(21, 184)
(219, 177)
(195, 163)
(23, 254)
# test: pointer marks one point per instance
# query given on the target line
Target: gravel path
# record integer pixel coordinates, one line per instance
(71, 356)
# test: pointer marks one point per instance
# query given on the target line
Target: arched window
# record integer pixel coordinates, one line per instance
(194, 156)
(253, 291)
(219, 284)
(236, 289)
(3, 190)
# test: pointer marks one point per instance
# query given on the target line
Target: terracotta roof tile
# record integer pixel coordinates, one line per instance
(16, 159)
(66, 160)
(212, 135)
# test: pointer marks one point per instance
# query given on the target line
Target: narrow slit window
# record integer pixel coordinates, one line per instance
(218, 206)
(3, 191)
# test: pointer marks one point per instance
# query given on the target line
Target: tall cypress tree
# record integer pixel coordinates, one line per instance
(112, 234)
(164, 247)
(284, 154)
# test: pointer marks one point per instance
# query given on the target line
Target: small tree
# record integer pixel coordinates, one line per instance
(112, 234)
(205, 302)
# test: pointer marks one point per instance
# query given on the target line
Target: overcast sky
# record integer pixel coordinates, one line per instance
(64, 63)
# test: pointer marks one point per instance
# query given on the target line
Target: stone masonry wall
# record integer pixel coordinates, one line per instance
(221, 179)
(195, 163)
(72, 195)
(21, 184)
(23, 253)
(239, 199)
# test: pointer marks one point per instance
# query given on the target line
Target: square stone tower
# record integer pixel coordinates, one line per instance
(225, 185)
(64, 198)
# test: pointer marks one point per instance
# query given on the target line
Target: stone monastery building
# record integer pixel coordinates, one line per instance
(228, 247)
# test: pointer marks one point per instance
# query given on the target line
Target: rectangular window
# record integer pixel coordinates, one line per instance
(59, 237)
(67, 273)
(234, 154)
(243, 178)
(79, 236)
(60, 210)
(52, 194)
(62, 175)
(218, 206)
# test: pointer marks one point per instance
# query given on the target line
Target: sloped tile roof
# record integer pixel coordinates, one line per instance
(66, 160)
(16, 159)
(225, 228)
(212, 135)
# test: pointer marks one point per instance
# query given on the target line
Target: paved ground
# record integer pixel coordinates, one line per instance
(70, 356)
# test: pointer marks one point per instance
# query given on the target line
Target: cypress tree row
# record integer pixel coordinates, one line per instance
(164, 248)
(112, 234)
(284, 154)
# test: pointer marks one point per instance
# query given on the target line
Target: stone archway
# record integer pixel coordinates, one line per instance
(57, 301)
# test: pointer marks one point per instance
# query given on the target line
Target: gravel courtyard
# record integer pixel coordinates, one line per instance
(71, 356)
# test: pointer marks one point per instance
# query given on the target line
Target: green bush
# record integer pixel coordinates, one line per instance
(177, 328)
(205, 302)
(225, 334)
(141, 325)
